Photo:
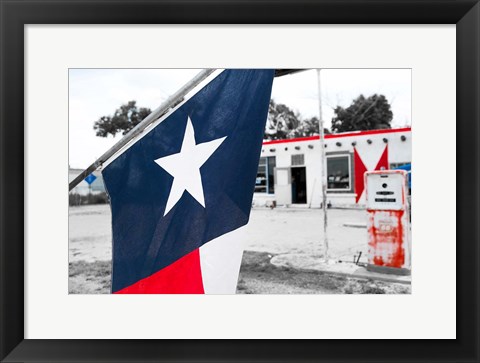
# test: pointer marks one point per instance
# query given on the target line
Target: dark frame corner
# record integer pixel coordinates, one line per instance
(14, 14)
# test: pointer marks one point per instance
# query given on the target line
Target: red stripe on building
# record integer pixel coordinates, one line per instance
(359, 171)
(184, 276)
(333, 136)
(383, 162)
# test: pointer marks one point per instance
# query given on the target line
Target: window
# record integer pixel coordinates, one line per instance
(298, 159)
(397, 165)
(338, 172)
(265, 182)
(261, 181)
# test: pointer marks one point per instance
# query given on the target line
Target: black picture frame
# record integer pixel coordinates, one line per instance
(16, 13)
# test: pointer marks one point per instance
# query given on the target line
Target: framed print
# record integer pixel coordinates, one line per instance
(41, 321)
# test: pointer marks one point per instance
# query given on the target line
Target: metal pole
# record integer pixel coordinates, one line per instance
(171, 102)
(324, 173)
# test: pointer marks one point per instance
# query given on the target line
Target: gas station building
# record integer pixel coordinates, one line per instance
(289, 172)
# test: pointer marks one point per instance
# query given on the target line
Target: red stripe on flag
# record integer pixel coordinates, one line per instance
(184, 276)
(360, 169)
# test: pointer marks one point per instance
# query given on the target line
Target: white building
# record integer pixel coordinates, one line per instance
(289, 171)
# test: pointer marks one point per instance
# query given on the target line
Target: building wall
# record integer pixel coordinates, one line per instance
(373, 149)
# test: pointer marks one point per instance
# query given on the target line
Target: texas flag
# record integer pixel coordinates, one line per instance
(180, 194)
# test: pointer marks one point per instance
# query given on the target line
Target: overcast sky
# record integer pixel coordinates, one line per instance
(99, 92)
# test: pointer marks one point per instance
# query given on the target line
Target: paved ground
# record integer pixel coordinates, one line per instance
(300, 230)
(278, 231)
(90, 233)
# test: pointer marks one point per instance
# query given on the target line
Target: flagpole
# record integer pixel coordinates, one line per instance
(171, 102)
(324, 167)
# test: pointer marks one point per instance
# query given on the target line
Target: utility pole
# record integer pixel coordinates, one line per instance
(324, 170)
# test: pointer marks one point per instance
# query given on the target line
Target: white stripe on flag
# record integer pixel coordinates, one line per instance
(220, 261)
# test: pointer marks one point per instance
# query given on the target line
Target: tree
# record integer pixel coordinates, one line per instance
(370, 113)
(281, 121)
(123, 120)
(309, 127)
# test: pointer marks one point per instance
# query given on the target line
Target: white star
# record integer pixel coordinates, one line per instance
(185, 167)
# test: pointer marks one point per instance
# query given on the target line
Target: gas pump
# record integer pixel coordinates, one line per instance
(388, 223)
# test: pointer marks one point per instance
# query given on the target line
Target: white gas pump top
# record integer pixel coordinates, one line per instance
(386, 189)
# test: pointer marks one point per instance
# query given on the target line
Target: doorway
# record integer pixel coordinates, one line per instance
(299, 185)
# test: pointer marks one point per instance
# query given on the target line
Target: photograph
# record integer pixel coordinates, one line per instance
(240, 181)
